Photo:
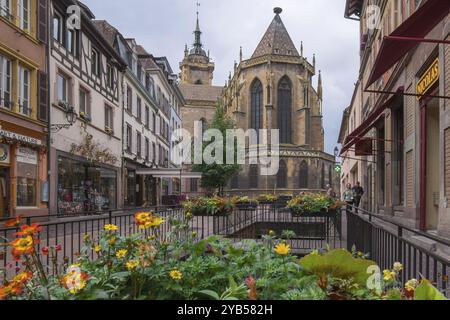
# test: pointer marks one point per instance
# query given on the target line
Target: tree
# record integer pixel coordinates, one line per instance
(216, 176)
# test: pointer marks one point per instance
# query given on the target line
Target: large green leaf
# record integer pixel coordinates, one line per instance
(426, 291)
(338, 264)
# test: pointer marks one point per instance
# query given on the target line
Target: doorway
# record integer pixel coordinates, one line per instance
(432, 164)
(4, 192)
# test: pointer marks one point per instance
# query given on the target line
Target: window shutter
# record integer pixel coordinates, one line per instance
(43, 96)
(42, 21)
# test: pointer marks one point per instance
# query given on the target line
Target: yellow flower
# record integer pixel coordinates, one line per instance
(152, 237)
(360, 254)
(389, 275)
(411, 285)
(315, 253)
(111, 227)
(176, 275)
(112, 241)
(86, 237)
(188, 215)
(132, 264)
(194, 234)
(398, 267)
(282, 249)
(121, 253)
(272, 233)
(98, 248)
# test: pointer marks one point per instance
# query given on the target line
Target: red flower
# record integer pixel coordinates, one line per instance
(252, 292)
(13, 222)
(26, 230)
(58, 247)
(45, 251)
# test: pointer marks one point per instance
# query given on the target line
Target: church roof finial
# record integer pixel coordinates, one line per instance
(198, 42)
(319, 86)
(277, 10)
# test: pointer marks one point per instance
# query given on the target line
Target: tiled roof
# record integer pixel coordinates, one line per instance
(107, 30)
(276, 41)
(201, 92)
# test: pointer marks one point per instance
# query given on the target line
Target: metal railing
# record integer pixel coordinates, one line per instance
(387, 242)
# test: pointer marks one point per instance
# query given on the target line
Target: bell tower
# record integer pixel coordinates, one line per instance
(196, 67)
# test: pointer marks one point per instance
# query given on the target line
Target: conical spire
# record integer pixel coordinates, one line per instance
(198, 42)
(276, 40)
(319, 86)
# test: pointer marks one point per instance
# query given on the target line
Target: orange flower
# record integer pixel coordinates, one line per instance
(29, 230)
(13, 222)
(5, 291)
(22, 246)
(23, 277)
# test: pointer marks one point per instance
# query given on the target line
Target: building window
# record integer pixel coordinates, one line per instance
(139, 109)
(322, 177)
(58, 28)
(256, 104)
(285, 110)
(194, 185)
(397, 155)
(5, 8)
(72, 42)
(110, 76)
(147, 149)
(282, 175)
(154, 152)
(85, 107)
(154, 122)
(24, 91)
(95, 62)
(235, 182)
(109, 123)
(138, 144)
(129, 139)
(129, 99)
(330, 175)
(27, 170)
(304, 175)
(24, 14)
(131, 189)
(306, 96)
(253, 176)
(63, 88)
(5, 82)
(147, 117)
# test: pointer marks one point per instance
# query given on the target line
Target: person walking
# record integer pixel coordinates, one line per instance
(349, 196)
(330, 192)
(358, 192)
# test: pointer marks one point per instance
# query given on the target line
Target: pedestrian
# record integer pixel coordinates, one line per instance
(358, 192)
(330, 192)
(349, 196)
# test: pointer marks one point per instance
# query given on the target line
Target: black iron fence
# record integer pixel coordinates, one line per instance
(306, 233)
(387, 242)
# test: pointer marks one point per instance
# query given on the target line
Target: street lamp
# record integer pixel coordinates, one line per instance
(71, 117)
(336, 152)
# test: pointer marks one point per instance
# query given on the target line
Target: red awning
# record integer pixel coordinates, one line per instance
(368, 124)
(416, 27)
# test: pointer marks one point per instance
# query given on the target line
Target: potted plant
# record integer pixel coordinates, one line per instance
(283, 200)
(266, 199)
(85, 116)
(109, 131)
(214, 206)
(245, 203)
(313, 204)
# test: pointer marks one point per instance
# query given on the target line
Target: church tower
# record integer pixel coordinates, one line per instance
(196, 67)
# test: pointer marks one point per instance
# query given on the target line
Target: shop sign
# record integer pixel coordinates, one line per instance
(4, 153)
(428, 79)
(27, 155)
(19, 137)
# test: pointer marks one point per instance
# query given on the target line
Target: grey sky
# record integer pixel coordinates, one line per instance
(163, 27)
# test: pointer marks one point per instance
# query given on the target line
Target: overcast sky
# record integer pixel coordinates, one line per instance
(163, 27)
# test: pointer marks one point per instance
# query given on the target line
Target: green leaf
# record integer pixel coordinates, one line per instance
(426, 291)
(211, 294)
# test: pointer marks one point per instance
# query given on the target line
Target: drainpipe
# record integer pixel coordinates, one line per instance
(49, 139)
(423, 166)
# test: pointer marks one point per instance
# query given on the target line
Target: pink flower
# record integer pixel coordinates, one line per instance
(58, 247)
(44, 251)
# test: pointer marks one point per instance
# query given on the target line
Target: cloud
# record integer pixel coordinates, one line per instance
(164, 27)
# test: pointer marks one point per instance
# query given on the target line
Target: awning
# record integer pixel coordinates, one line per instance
(408, 35)
(368, 124)
(168, 173)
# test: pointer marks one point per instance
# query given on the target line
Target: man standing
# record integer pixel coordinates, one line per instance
(358, 192)
(349, 196)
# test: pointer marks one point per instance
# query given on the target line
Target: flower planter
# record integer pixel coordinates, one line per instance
(320, 214)
(246, 205)
(204, 212)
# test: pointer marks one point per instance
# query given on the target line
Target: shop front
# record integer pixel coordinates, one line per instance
(83, 186)
(23, 178)
(139, 190)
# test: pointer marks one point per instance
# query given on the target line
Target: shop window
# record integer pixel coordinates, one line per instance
(24, 91)
(5, 82)
(83, 187)
(27, 169)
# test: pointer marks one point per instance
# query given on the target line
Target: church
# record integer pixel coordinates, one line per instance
(273, 89)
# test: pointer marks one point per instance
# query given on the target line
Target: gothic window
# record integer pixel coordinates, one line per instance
(285, 110)
(322, 177)
(282, 175)
(304, 175)
(235, 182)
(253, 176)
(256, 104)
(330, 175)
